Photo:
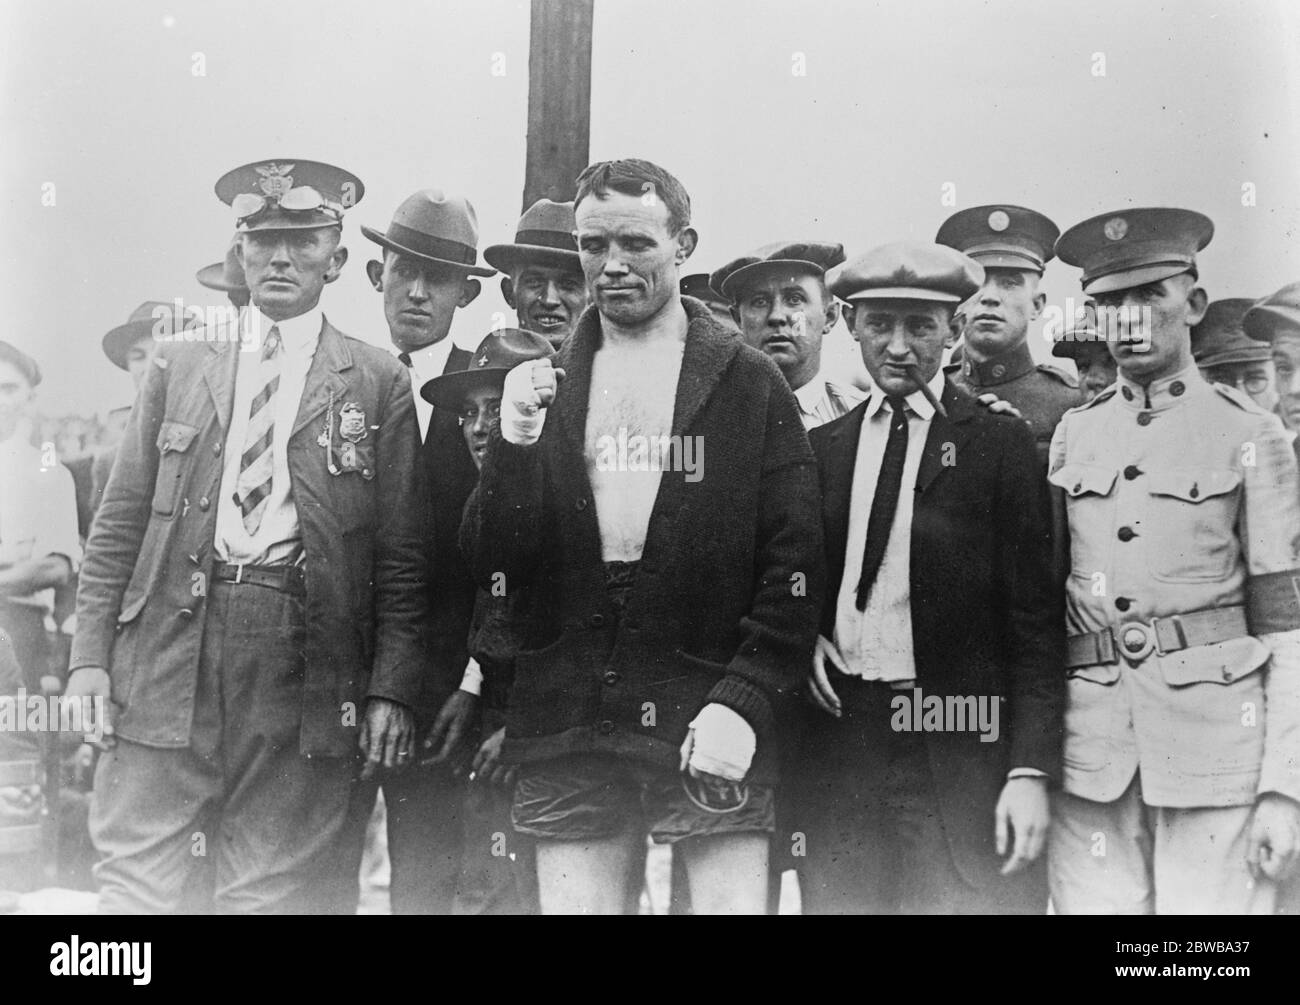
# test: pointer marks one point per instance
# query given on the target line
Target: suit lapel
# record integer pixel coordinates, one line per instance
(708, 351)
(219, 375)
(837, 489)
(325, 382)
(943, 444)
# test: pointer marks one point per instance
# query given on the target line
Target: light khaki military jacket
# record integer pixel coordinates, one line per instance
(1181, 497)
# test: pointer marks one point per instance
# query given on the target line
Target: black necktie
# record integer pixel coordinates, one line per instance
(405, 359)
(885, 503)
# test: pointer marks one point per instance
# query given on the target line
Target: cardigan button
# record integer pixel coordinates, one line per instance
(606, 726)
(580, 504)
(611, 677)
(596, 620)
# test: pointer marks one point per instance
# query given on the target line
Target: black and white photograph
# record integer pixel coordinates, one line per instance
(700, 457)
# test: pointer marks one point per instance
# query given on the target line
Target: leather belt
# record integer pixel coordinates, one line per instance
(1136, 640)
(286, 578)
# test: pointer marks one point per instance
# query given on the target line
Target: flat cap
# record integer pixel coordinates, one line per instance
(791, 256)
(288, 193)
(1008, 237)
(1276, 313)
(1219, 337)
(908, 271)
(697, 285)
(1133, 247)
(21, 362)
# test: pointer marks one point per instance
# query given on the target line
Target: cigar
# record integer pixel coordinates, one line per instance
(914, 372)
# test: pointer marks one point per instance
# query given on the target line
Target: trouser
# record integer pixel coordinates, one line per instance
(25, 626)
(239, 821)
(1125, 857)
(876, 842)
(425, 807)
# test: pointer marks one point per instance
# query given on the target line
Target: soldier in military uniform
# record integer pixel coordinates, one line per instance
(1183, 717)
(1227, 355)
(1014, 245)
(1276, 320)
(1092, 359)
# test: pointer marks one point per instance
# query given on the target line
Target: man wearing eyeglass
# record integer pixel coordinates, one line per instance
(1225, 354)
(253, 591)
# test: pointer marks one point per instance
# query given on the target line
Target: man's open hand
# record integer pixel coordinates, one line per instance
(387, 736)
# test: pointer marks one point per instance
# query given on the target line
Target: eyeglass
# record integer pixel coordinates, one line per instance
(470, 412)
(1251, 383)
(297, 200)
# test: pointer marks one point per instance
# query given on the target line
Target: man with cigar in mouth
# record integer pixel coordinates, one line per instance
(939, 586)
(542, 277)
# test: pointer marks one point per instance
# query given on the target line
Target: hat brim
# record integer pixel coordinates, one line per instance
(1246, 354)
(117, 343)
(1264, 323)
(1007, 260)
(383, 241)
(214, 278)
(448, 390)
(1126, 279)
(1074, 348)
(733, 283)
(904, 293)
(504, 257)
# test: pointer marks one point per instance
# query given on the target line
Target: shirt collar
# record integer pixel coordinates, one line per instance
(1015, 362)
(431, 360)
(917, 402)
(810, 393)
(298, 335)
(1160, 394)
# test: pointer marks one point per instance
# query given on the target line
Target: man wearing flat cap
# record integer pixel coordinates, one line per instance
(667, 606)
(254, 587)
(1225, 354)
(542, 277)
(779, 301)
(1183, 713)
(427, 273)
(1014, 245)
(939, 596)
(39, 548)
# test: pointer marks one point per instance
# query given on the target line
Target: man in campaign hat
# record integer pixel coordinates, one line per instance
(667, 607)
(939, 596)
(427, 272)
(778, 298)
(1225, 354)
(254, 585)
(542, 277)
(226, 276)
(1183, 714)
(498, 868)
(1091, 358)
(1014, 245)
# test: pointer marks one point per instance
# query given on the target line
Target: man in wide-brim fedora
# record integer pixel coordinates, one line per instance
(543, 278)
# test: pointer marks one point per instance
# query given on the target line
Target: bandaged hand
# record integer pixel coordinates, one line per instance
(529, 390)
(720, 742)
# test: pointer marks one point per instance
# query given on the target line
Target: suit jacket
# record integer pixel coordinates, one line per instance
(140, 605)
(450, 478)
(725, 603)
(986, 619)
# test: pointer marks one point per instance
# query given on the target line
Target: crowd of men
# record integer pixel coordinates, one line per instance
(972, 637)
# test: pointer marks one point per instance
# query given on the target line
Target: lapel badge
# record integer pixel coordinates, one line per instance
(352, 422)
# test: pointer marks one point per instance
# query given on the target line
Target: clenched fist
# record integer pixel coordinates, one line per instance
(529, 390)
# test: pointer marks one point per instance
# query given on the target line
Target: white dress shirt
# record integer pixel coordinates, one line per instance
(822, 400)
(278, 535)
(877, 643)
(426, 364)
(38, 510)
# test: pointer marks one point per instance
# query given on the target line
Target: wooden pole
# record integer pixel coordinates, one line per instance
(559, 98)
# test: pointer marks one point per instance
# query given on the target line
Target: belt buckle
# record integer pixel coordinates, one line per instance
(1136, 640)
(239, 572)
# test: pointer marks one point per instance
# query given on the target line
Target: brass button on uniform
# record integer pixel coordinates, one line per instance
(1123, 603)
(216, 448)
(204, 503)
(1128, 395)
(1177, 388)
(1126, 534)
(1132, 471)
(1144, 418)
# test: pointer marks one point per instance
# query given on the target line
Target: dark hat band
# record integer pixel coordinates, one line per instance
(430, 246)
(556, 239)
(978, 251)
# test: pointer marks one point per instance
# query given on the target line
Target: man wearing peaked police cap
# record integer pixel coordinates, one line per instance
(693, 589)
(542, 279)
(1014, 245)
(939, 597)
(779, 300)
(1183, 712)
(1225, 354)
(254, 584)
(428, 271)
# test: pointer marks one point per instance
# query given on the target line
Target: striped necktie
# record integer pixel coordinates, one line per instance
(255, 468)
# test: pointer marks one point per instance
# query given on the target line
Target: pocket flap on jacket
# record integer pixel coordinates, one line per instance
(1193, 485)
(176, 437)
(1217, 663)
(1100, 673)
(132, 610)
(1084, 479)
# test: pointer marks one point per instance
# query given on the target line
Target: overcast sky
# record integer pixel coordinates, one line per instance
(1001, 100)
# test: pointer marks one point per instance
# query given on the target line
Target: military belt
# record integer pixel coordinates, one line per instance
(1136, 640)
(286, 578)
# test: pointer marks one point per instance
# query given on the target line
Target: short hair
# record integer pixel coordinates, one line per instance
(636, 177)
